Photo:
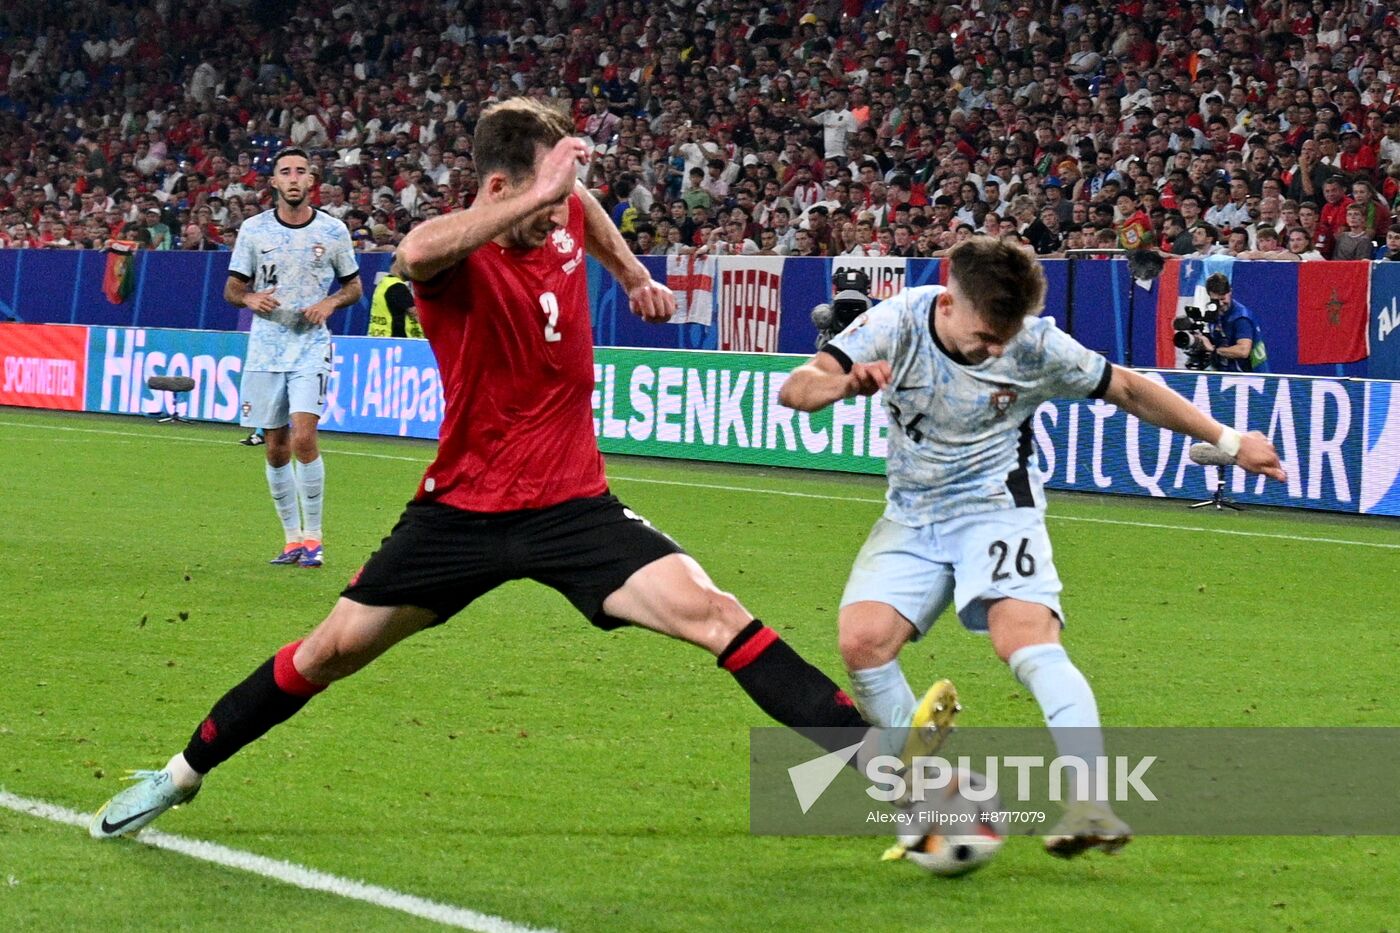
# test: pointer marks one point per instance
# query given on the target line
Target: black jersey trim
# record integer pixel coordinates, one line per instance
(278, 217)
(839, 356)
(1018, 481)
(239, 276)
(1101, 389)
(933, 332)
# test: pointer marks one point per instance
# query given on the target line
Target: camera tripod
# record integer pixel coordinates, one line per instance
(1219, 499)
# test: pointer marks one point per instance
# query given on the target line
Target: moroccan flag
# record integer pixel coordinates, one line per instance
(120, 277)
(1334, 303)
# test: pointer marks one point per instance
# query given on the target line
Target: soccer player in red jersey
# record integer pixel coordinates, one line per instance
(517, 489)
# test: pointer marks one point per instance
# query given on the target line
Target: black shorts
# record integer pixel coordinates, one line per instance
(441, 558)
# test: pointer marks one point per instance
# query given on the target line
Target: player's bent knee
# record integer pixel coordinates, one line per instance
(871, 638)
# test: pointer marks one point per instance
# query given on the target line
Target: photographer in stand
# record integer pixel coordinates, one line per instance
(1233, 340)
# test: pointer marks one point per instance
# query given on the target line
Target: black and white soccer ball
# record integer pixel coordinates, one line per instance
(951, 834)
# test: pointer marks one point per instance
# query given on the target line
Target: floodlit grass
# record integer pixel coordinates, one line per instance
(518, 762)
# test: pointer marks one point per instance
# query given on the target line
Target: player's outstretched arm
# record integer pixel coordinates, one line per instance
(821, 381)
(443, 242)
(650, 300)
(1161, 406)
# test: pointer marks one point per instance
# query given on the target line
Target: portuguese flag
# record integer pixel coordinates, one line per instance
(120, 277)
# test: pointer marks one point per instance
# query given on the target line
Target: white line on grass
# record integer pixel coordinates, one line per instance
(286, 872)
(867, 500)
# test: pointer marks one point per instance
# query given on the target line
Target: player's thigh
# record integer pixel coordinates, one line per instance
(998, 555)
(353, 635)
(674, 595)
(436, 558)
(263, 400)
(306, 391)
(616, 569)
(905, 569)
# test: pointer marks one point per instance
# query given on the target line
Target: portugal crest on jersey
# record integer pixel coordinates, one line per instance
(318, 250)
(563, 241)
(1002, 400)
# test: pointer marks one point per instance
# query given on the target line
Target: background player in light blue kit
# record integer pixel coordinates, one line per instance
(962, 369)
(284, 262)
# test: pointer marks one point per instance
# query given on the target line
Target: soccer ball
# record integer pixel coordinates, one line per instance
(952, 835)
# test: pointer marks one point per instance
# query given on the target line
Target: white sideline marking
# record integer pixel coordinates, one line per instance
(286, 872)
(753, 489)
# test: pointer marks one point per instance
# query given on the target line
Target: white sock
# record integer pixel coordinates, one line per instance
(1067, 702)
(282, 483)
(182, 774)
(884, 698)
(311, 488)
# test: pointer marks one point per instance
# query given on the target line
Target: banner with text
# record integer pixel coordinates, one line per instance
(121, 359)
(717, 406)
(43, 367)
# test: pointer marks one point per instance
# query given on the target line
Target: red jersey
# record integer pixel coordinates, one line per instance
(514, 344)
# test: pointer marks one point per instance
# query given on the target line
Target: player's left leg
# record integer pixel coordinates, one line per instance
(674, 596)
(1007, 586)
(617, 569)
(1027, 637)
(306, 400)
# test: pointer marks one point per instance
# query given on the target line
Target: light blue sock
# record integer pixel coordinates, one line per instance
(311, 488)
(884, 698)
(282, 484)
(1067, 702)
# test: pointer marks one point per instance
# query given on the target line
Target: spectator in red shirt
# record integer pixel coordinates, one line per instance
(1333, 216)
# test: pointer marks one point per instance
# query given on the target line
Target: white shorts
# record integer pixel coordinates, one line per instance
(970, 561)
(270, 398)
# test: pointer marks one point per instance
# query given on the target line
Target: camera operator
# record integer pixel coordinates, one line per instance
(849, 300)
(1234, 340)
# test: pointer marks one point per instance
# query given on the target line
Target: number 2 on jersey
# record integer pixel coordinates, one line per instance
(550, 306)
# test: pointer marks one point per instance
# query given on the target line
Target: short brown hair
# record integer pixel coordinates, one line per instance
(1001, 280)
(509, 134)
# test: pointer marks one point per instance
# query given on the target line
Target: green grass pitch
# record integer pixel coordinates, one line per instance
(519, 763)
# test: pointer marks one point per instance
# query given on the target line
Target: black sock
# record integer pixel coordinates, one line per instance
(789, 689)
(270, 695)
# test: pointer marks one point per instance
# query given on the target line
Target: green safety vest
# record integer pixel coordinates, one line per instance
(381, 321)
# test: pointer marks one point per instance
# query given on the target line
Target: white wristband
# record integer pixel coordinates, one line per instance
(1229, 442)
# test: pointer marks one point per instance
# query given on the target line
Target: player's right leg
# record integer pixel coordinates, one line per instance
(264, 405)
(350, 637)
(898, 586)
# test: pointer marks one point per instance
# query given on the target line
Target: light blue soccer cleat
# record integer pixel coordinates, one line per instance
(310, 554)
(291, 555)
(138, 805)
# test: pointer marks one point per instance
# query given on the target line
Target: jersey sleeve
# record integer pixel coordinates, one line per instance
(1073, 370)
(345, 262)
(245, 251)
(870, 337)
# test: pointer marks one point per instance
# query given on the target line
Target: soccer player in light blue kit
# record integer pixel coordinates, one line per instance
(284, 262)
(962, 369)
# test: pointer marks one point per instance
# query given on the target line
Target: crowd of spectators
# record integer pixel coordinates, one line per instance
(1258, 128)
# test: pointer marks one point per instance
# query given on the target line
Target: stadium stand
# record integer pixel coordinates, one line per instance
(730, 126)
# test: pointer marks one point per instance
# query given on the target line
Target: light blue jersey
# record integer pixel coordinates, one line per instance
(301, 263)
(960, 436)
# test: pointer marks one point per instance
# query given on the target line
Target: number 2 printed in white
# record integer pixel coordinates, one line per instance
(550, 306)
